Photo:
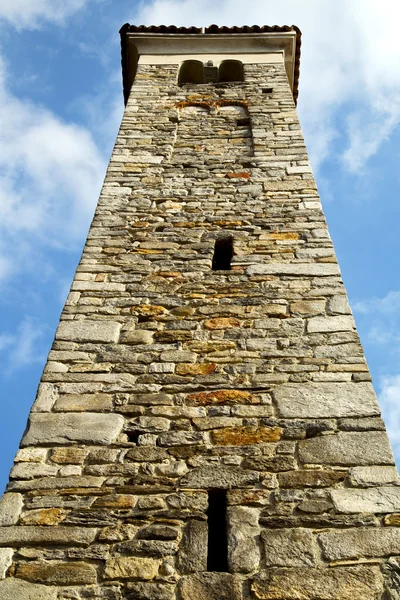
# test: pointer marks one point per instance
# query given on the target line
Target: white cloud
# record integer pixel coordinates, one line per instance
(389, 398)
(50, 175)
(29, 14)
(389, 304)
(23, 347)
(350, 58)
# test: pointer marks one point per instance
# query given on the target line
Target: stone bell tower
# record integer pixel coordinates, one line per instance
(205, 427)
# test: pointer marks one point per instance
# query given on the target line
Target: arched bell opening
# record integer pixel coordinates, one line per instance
(191, 71)
(231, 70)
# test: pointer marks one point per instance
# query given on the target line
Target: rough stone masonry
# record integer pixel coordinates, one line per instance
(171, 386)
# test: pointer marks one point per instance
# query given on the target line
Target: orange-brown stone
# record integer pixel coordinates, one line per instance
(115, 501)
(148, 310)
(241, 175)
(393, 520)
(222, 397)
(195, 369)
(222, 323)
(283, 235)
(243, 436)
(46, 516)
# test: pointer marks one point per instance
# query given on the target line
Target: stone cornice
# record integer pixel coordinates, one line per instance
(137, 41)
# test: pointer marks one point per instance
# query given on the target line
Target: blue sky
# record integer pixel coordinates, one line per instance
(60, 107)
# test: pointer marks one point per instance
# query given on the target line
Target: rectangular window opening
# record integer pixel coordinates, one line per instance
(267, 90)
(223, 253)
(217, 555)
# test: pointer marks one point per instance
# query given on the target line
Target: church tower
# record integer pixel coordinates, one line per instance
(205, 427)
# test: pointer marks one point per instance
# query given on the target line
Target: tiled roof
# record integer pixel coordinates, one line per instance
(212, 29)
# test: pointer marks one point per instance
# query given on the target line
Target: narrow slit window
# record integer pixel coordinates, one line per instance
(223, 253)
(217, 555)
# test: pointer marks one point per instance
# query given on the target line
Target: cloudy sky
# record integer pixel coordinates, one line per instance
(60, 107)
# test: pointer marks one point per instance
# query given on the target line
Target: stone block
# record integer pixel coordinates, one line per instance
(211, 586)
(181, 438)
(374, 500)
(150, 591)
(222, 397)
(320, 400)
(43, 516)
(17, 589)
(339, 305)
(371, 542)
(88, 331)
(10, 508)
(288, 547)
(64, 428)
(242, 436)
(57, 483)
(131, 567)
(219, 477)
(330, 324)
(294, 269)
(40, 536)
(6, 555)
(369, 476)
(341, 583)
(243, 531)
(57, 573)
(308, 307)
(310, 478)
(347, 448)
(192, 555)
(46, 396)
(221, 323)
(136, 336)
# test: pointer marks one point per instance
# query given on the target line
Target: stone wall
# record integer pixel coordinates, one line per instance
(168, 379)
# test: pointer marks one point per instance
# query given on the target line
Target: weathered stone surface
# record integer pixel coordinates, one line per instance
(58, 573)
(288, 547)
(46, 396)
(221, 323)
(211, 586)
(72, 455)
(54, 483)
(219, 477)
(150, 591)
(34, 536)
(131, 567)
(17, 589)
(136, 336)
(43, 516)
(243, 531)
(73, 427)
(355, 543)
(6, 555)
(375, 500)
(195, 369)
(357, 583)
(368, 476)
(314, 400)
(221, 397)
(304, 478)
(158, 531)
(192, 555)
(241, 436)
(10, 508)
(364, 448)
(330, 324)
(295, 269)
(88, 331)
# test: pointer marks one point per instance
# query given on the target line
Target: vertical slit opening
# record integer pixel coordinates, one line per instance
(223, 252)
(217, 555)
